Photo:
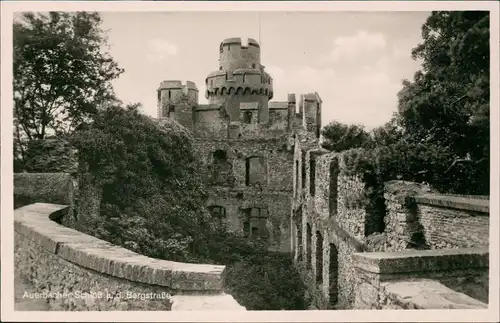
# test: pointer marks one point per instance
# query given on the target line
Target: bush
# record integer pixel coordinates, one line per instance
(266, 281)
(153, 202)
(31, 188)
(153, 199)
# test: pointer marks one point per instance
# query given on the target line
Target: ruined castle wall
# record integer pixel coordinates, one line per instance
(210, 122)
(336, 211)
(416, 215)
(277, 203)
(351, 213)
(274, 194)
(425, 279)
(278, 119)
(453, 221)
(80, 272)
(330, 279)
(276, 152)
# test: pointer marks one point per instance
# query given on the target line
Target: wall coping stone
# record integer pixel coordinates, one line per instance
(429, 294)
(34, 222)
(422, 260)
(479, 204)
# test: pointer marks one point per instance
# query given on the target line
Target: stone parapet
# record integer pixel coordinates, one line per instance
(466, 203)
(419, 217)
(61, 261)
(411, 279)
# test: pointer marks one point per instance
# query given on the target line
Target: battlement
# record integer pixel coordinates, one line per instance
(238, 41)
(235, 54)
(311, 97)
(278, 105)
(176, 84)
(240, 82)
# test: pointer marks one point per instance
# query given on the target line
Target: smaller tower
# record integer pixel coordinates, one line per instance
(177, 101)
(311, 113)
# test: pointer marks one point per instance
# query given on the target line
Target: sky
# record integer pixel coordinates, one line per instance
(356, 61)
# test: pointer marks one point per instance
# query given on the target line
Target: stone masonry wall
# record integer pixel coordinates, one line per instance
(402, 227)
(335, 288)
(416, 279)
(273, 195)
(335, 211)
(277, 203)
(351, 213)
(75, 271)
(454, 221)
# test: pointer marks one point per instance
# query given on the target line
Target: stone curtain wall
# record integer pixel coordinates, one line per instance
(422, 279)
(419, 217)
(80, 272)
(331, 279)
(276, 202)
(454, 221)
(416, 217)
(351, 213)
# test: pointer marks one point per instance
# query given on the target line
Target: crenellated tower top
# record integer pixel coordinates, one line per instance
(240, 73)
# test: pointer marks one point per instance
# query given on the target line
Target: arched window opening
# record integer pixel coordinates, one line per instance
(319, 258)
(309, 247)
(312, 175)
(222, 169)
(296, 177)
(220, 155)
(254, 224)
(256, 173)
(333, 275)
(217, 211)
(247, 117)
(303, 156)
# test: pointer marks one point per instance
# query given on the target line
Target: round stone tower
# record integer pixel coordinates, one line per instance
(240, 77)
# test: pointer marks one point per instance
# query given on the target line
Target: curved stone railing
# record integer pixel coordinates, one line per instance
(75, 271)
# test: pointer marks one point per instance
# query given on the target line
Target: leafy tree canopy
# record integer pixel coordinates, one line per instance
(153, 196)
(338, 136)
(440, 133)
(447, 103)
(62, 73)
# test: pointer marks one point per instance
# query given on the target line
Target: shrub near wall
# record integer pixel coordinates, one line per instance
(54, 188)
(146, 185)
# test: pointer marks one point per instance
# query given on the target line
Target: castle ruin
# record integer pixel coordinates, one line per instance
(245, 139)
(269, 179)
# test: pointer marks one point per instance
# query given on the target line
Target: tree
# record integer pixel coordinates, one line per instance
(62, 73)
(153, 197)
(448, 100)
(50, 155)
(388, 134)
(338, 136)
(447, 103)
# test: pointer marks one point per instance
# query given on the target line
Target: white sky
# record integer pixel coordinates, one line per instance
(355, 61)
